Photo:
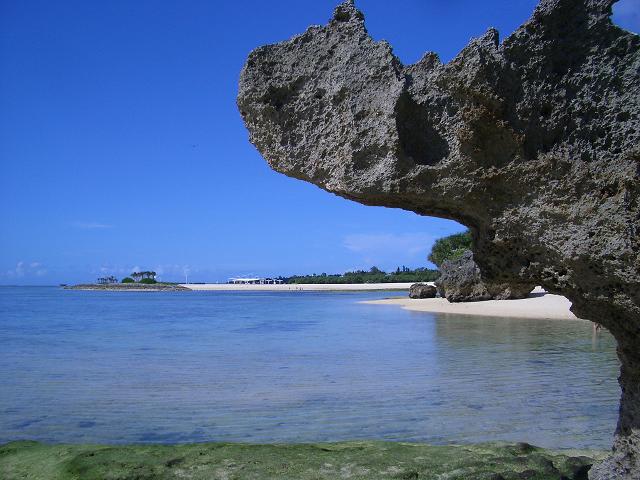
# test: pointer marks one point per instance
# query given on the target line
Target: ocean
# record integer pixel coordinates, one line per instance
(172, 367)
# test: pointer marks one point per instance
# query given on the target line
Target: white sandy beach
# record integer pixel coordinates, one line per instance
(308, 287)
(539, 304)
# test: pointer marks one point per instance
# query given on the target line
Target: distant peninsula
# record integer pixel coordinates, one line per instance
(136, 282)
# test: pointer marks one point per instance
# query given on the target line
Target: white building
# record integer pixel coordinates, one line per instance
(254, 281)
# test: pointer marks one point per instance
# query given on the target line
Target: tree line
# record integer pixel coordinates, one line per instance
(450, 248)
(446, 248)
(141, 277)
(373, 275)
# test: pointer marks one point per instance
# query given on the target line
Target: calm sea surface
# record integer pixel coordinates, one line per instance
(293, 367)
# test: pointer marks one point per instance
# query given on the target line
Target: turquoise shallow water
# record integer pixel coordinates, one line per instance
(124, 367)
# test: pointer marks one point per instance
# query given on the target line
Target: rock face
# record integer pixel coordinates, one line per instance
(460, 281)
(422, 290)
(533, 143)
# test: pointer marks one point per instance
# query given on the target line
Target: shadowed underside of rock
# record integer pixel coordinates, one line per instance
(534, 143)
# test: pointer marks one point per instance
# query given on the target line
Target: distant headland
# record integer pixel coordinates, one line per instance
(373, 279)
(128, 287)
(136, 282)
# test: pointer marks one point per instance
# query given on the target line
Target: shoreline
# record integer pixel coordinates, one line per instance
(539, 304)
(297, 287)
(230, 287)
(128, 287)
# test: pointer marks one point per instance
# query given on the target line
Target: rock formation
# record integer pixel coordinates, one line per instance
(422, 290)
(533, 143)
(460, 281)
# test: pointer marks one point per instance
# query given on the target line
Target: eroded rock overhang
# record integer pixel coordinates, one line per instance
(532, 142)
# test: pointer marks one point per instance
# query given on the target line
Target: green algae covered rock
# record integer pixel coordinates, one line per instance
(352, 460)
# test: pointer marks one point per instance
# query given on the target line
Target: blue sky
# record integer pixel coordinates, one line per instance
(121, 146)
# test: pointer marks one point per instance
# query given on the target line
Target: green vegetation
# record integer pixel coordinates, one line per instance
(374, 275)
(450, 248)
(139, 276)
(135, 277)
(446, 248)
(107, 280)
(353, 460)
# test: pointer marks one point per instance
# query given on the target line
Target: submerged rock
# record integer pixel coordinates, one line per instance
(460, 281)
(533, 143)
(330, 461)
(422, 290)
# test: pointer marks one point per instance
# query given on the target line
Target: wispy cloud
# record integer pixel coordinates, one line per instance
(411, 243)
(388, 250)
(26, 269)
(113, 269)
(91, 225)
(163, 271)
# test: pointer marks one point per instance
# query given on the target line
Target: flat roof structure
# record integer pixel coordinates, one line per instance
(254, 280)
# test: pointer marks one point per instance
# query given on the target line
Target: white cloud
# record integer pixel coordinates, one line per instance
(111, 269)
(91, 225)
(388, 250)
(27, 269)
(18, 271)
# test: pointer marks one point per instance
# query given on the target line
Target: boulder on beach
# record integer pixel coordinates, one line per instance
(422, 290)
(460, 281)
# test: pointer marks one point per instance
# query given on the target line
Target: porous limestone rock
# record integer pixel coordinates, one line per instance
(533, 143)
(422, 290)
(460, 281)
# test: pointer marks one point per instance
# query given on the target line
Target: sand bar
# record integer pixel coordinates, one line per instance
(539, 304)
(307, 287)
